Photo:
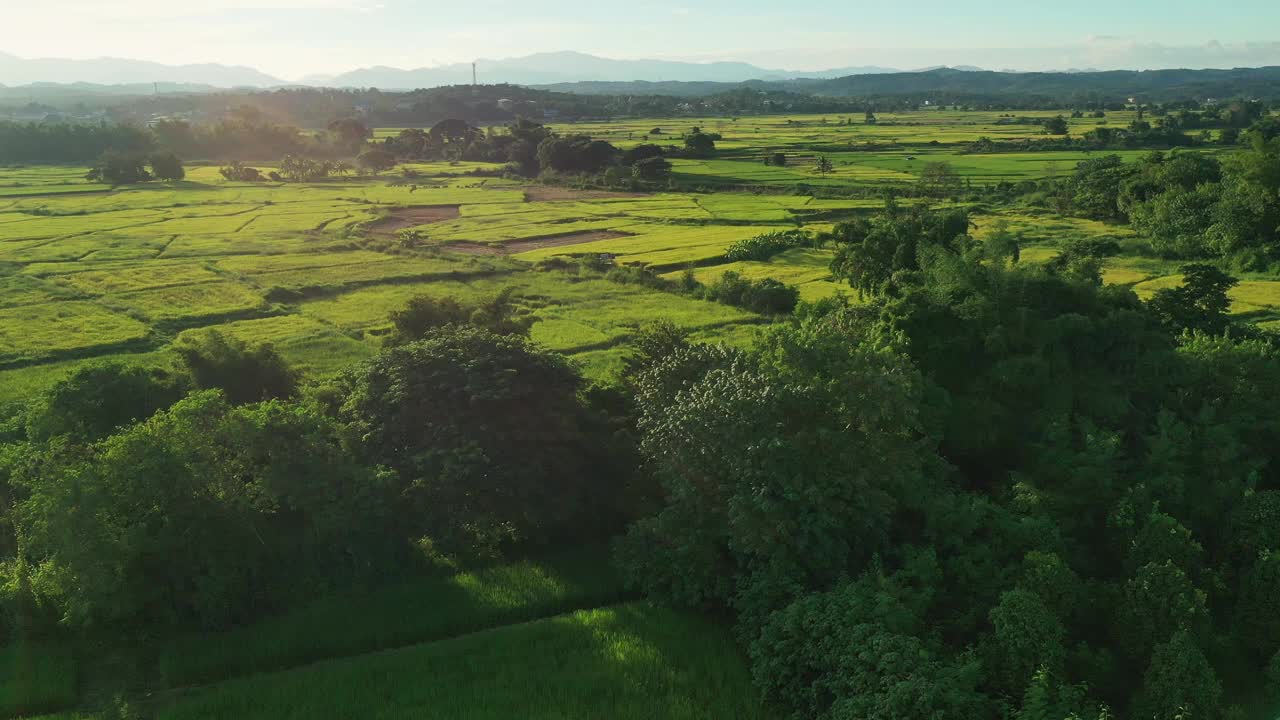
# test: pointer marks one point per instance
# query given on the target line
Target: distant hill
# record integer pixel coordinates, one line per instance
(561, 67)
(119, 71)
(957, 85)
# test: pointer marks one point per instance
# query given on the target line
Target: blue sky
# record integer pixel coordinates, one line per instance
(292, 38)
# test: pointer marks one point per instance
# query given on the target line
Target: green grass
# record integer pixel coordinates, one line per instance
(36, 678)
(622, 662)
(87, 272)
(411, 612)
(36, 331)
(807, 269)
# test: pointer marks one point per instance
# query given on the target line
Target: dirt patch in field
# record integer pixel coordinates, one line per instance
(519, 246)
(413, 217)
(551, 193)
(470, 248)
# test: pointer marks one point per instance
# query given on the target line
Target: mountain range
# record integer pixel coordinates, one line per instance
(537, 69)
(120, 71)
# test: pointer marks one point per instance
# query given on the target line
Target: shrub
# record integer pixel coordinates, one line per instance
(763, 247)
(245, 373)
(766, 296)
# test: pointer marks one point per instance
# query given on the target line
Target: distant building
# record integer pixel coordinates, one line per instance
(506, 103)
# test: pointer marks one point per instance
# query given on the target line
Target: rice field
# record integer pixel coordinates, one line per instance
(88, 272)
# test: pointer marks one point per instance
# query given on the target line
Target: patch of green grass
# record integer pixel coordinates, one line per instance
(21, 384)
(210, 299)
(35, 331)
(36, 678)
(622, 662)
(411, 612)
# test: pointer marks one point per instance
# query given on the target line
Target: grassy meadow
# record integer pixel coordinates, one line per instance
(88, 271)
(544, 637)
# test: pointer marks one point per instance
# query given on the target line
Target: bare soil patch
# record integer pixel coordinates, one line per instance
(551, 193)
(413, 217)
(519, 246)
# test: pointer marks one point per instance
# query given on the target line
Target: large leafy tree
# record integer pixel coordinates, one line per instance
(869, 253)
(781, 469)
(487, 435)
(204, 514)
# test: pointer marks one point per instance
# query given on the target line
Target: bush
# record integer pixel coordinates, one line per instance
(763, 247)
(245, 373)
(425, 313)
(239, 172)
(118, 168)
(167, 166)
(95, 400)
(766, 296)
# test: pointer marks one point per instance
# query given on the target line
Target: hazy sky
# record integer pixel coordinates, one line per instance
(292, 38)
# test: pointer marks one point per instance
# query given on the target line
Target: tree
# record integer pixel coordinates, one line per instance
(96, 399)
(640, 153)
(116, 168)
(1028, 636)
(205, 514)
(245, 373)
(698, 144)
(654, 169)
(424, 313)
(487, 438)
(853, 652)
(870, 253)
(1057, 126)
(939, 179)
(1200, 303)
(1258, 621)
(1179, 682)
(1160, 600)
(453, 133)
(575, 154)
(167, 166)
(1096, 184)
(376, 161)
(351, 133)
(823, 166)
(870, 117)
(410, 142)
(754, 505)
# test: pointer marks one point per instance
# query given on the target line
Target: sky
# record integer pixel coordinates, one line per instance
(291, 39)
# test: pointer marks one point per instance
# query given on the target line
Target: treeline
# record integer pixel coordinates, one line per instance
(1192, 205)
(54, 143)
(530, 149)
(243, 134)
(995, 491)
(142, 501)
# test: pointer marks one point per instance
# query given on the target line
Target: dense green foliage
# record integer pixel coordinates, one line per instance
(487, 437)
(1033, 480)
(1191, 205)
(991, 486)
